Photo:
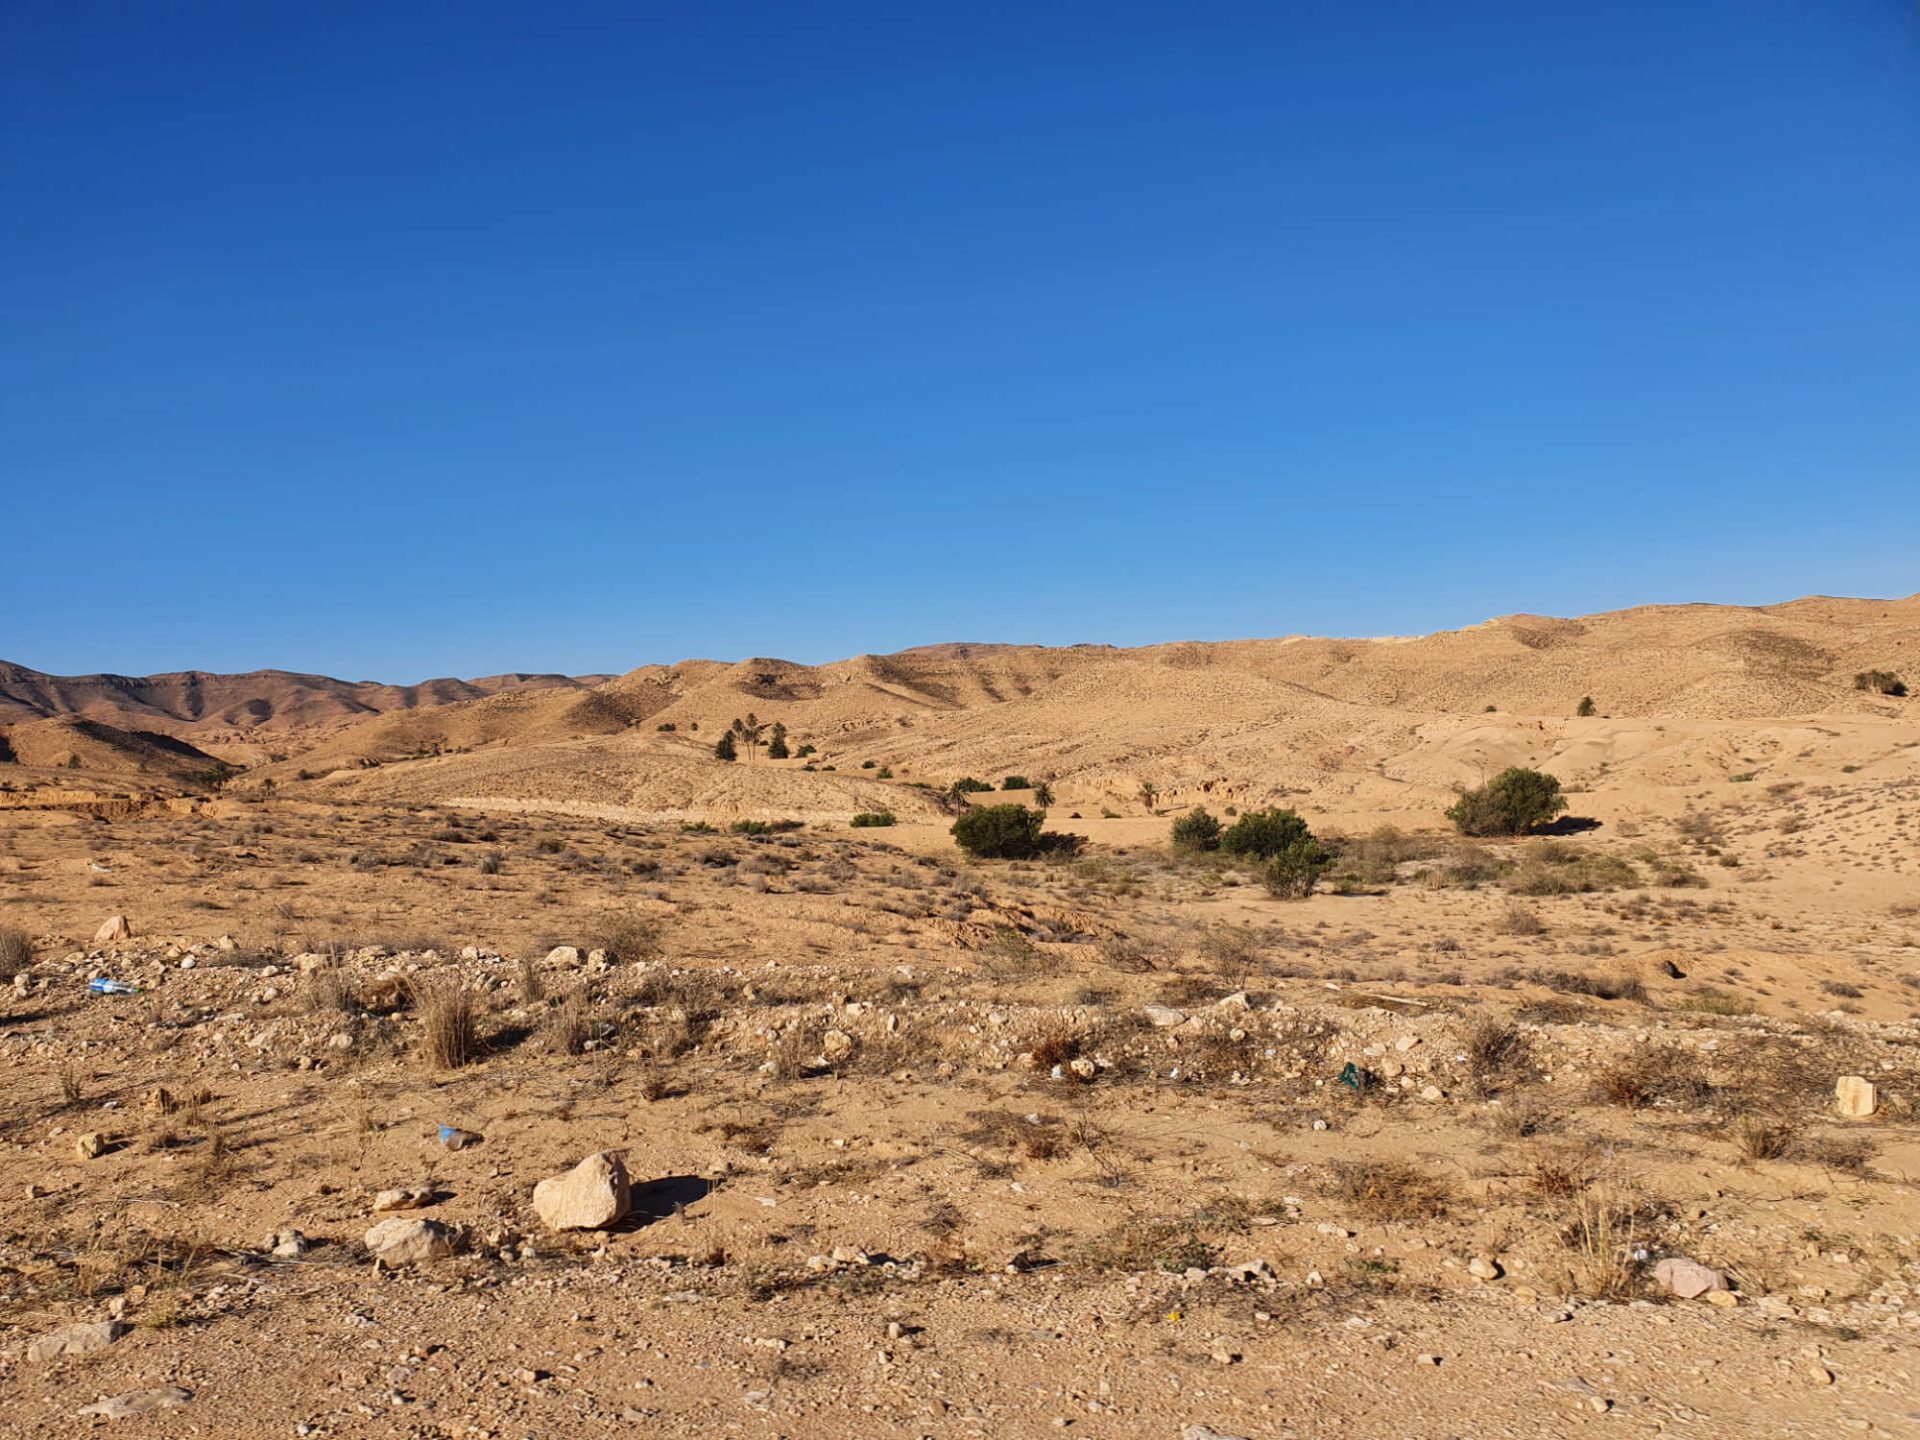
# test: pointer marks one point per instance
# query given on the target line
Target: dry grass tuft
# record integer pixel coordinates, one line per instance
(330, 990)
(568, 1026)
(1653, 1075)
(628, 938)
(16, 951)
(1519, 920)
(1391, 1190)
(450, 1030)
(1495, 1052)
(1604, 1235)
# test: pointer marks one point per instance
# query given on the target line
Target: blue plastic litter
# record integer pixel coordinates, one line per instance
(101, 985)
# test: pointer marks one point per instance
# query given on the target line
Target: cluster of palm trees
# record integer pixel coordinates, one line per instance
(751, 733)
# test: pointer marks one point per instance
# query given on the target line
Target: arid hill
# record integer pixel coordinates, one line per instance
(1682, 694)
(247, 717)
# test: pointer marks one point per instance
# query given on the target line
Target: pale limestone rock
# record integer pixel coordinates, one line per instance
(593, 1195)
(409, 1242)
(76, 1340)
(1855, 1096)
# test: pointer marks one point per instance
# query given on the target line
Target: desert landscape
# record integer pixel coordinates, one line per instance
(495, 1058)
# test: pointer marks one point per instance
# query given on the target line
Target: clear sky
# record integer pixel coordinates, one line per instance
(401, 340)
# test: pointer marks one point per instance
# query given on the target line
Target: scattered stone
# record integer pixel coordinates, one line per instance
(564, 955)
(409, 1242)
(161, 1100)
(1685, 1279)
(1819, 1374)
(1484, 1267)
(404, 1197)
(1082, 1068)
(288, 1244)
(112, 930)
(1165, 1017)
(91, 1145)
(1206, 1432)
(1855, 1096)
(76, 1340)
(593, 1195)
(1725, 1299)
(836, 1046)
(138, 1402)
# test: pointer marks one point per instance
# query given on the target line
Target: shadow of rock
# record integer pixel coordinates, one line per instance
(657, 1199)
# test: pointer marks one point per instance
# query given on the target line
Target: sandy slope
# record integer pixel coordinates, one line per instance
(1687, 696)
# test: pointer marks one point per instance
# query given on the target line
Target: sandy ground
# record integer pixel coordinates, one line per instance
(874, 1197)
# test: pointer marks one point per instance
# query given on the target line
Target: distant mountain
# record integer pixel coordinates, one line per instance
(195, 702)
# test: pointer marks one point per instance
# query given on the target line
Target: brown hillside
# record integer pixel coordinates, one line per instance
(1686, 694)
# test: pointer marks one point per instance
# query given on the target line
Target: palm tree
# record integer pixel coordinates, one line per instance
(749, 731)
(1149, 792)
(1043, 795)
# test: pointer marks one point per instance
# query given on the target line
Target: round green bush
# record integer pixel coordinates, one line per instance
(1000, 832)
(1264, 833)
(1511, 803)
(1196, 830)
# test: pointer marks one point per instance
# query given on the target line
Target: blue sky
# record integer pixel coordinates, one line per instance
(406, 340)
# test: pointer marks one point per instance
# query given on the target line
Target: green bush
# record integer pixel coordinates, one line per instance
(868, 764)
(1195, 831)
(885, 772)
(666, 725)
(1880, 682)
(723, 748)
(1016, 782)
(1010, 832)
(1293, 872)
(764, 827)
(777, 747)
(804, 751)
(967, 785)
(872, 819)
(1000, 832)
(1511, 803)
(1264, 833)
(1585, 709)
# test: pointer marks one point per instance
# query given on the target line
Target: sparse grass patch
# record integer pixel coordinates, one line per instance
(1391, 1190)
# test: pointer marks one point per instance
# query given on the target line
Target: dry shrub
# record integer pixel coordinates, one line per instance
(533, 988)
(1763, 1139)
(449, 1019)
(1653, 1075)
(1172, 1245)
(1604, 1233)
(1520, 921)
(16, 951)
(330, 990)
(1011, 956)
(1495, 1052)
(1391, 1190)
(1231, 955)
(1600, 987)
(1562, 1172)
(628, 938)
(1562, 871)
(796, 1050)
(1053, 1042)
(567, 1027)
